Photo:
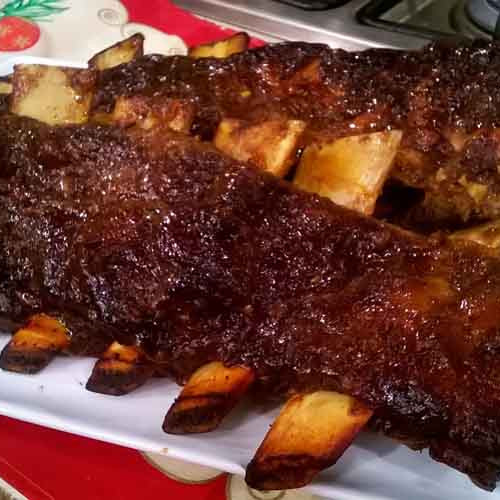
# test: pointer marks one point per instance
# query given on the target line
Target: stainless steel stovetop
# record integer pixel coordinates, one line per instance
(355, 24)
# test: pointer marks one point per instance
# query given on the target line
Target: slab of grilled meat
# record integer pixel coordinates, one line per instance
(163, 242)
(445, 98)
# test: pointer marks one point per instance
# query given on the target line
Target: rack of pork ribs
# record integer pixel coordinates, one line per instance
(143, 221)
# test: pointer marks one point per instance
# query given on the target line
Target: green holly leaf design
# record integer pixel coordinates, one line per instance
(36, 10)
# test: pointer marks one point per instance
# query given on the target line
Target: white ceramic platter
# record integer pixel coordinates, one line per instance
(374, 468)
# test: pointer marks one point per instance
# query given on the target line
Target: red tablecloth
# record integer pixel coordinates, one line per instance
(165, 16)
(45, 464)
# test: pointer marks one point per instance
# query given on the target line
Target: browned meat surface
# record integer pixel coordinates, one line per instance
(171, 245)
(446, 98)
(4, 103)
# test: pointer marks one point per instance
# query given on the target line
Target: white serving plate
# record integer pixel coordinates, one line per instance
(374, 468)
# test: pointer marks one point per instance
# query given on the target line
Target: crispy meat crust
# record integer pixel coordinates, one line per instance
(196, 258)
(445, 98)
(4, 103)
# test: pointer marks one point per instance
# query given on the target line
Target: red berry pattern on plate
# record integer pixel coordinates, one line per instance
(17, 34)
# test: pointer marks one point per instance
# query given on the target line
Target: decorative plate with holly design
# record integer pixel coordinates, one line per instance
(56, 28)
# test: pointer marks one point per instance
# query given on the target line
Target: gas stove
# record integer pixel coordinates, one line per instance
(355, 24)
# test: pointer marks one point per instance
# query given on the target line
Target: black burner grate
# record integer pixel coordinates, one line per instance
(314, 4)
(484, 13)
(465, 18)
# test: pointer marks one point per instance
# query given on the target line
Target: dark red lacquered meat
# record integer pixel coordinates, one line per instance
(161, 241)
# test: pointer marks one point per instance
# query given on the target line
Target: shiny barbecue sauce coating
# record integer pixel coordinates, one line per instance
(445, 98)
(156, 239)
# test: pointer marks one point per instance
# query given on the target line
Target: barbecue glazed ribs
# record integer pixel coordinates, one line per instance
(445, 98)
(156, 240)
